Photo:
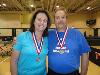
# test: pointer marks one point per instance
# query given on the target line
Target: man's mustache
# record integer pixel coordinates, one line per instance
(60, 23)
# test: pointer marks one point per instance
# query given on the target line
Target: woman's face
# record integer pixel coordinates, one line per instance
(40, 22)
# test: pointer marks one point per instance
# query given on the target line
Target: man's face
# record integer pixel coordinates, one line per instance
(60, 19)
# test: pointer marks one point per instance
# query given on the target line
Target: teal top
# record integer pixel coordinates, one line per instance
(27, 63)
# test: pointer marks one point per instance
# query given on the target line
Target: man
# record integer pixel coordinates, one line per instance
(66, 45)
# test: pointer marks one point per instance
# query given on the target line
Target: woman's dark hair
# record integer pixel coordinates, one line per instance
(32, 27)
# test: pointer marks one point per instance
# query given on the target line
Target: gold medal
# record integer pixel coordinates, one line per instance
(38, 59)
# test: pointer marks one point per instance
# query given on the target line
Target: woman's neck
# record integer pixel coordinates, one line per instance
(38, 36)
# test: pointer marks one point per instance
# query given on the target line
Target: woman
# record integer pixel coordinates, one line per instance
(31, 47)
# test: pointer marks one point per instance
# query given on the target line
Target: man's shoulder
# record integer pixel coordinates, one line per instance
(74, 30)
(50, 31)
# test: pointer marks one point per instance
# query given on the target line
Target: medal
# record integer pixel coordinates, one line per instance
(38, 47)
(38, 59)
(61, 43)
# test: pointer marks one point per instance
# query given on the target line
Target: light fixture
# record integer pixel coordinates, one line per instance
(32, 5)
(4, 4)
(57, 6)
(88, 8)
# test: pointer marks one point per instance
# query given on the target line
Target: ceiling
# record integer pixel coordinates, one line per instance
(72, 6)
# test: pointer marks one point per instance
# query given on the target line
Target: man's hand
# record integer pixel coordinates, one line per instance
(14, 40)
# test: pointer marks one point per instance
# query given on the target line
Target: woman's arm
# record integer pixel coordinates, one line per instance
(13, 62)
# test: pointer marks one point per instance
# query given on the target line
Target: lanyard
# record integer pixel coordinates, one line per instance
(38, 47)
(61, 43)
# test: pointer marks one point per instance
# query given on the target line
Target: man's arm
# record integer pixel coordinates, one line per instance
(84, 63)
(14, 40)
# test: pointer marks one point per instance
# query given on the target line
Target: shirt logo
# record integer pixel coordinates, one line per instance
(60, 50)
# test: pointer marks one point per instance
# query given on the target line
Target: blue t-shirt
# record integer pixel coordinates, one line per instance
(67, 59)
(27, 64)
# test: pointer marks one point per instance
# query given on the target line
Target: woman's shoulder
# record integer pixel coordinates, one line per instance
(45, 38)
(23, 34)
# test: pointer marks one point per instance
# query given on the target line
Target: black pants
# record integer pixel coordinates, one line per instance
(50, 72)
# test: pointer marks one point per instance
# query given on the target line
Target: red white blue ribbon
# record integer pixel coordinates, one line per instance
(61, 43)
(38, 47)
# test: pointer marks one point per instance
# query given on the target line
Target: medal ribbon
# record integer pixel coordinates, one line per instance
(38, 49)
(61, 44)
